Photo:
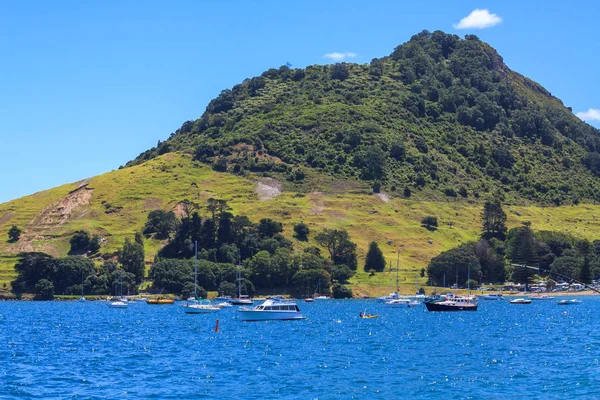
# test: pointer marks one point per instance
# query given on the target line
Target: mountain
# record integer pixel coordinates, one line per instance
(440, 122)
(441, 116)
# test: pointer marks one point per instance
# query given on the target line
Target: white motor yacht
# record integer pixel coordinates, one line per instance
(117, 303)
(520, 301)
(389, 297)
(491, 296)
(402, 302)
(271, 310)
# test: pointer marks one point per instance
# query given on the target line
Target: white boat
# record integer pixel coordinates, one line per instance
(241, 300)
(200, 308)
(542, 297)
(401, 303)
(223, 298)
(520, 301)
(117, 304)
(82, 298)
(224, 304)
(568, 302)
(321, 297)
(271, 310)
(389, 297)
(196, 306)
(492, 297)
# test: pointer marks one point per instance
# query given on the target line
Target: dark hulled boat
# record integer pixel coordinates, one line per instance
(453, 304)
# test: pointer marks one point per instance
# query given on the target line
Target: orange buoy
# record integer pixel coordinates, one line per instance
(217, 326)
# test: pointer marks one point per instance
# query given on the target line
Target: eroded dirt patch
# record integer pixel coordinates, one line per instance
(268, 189)
(60, 211)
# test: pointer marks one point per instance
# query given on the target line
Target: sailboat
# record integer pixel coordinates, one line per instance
(398, 301)
(455, 303)
(394, 295)
(241, 300)
(82, 298)
(196, 307)
(118, 302)
(317, 295)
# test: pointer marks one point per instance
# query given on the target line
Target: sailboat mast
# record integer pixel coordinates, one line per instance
(195, 270)
(397, 269)
(469, 279)
(239, 281)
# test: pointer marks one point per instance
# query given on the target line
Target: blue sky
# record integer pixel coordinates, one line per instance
(87, 86)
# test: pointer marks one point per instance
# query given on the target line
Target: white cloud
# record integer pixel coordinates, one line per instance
(478, 19)
(335, 56)
(593, 114)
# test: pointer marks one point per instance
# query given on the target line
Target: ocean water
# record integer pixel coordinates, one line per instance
(89, 351)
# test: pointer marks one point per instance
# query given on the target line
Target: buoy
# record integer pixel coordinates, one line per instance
(217, 326)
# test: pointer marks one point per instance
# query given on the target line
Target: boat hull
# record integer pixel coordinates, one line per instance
(195, 309)
(241, 302)
(450, 308)
(251, 315)
(160, 301)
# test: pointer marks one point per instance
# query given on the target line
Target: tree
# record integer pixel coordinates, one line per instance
(44, 289)
(522, 250)
(94, 244)
(585, 274)
(341, 249)
(429, 222)
(132, 259)
(14, 234)
(422, 273)
(494, 221)
(339, 71)
(301, 231)
(32, 267)
(139, 238)
(454, 264)
(268, 228)
(375, 259)
(340, 291)
(227, 289)
(79, 242)
(341, 273)
(161, 223)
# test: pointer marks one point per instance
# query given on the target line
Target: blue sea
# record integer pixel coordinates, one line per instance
(64, 350)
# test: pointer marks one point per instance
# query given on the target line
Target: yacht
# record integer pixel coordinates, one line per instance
(401, 303)
(520, 301)
(389, 297)
(491, 296)
(455, 303)
(542, 297)
(243, 300)
(568, 302)
(116, 303)
(200, 308)
(321, 297)
(271, 310)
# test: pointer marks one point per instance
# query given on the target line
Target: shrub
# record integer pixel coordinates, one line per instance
(429, 222)
(341, 292)
(301, 231)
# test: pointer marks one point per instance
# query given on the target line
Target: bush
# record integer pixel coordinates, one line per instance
(341, 292)
(301, 231)
(44, 289)
(14, 234)
(227, 289)
(79, 241)
(429, 222)
(471, 283)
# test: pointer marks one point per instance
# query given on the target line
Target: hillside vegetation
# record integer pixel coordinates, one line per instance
(436, 127)
(116, 205)
(440, 117)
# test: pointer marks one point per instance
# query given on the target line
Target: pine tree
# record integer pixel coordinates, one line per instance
(494, 221)
(374, 259)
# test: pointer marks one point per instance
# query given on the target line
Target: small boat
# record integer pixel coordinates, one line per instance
(389, 297)
(243, 300)
(456, 303)
(368, 316)
(223, 298)
(200, 308)
(309, 300)
(321, 297)
(224, 304)
(520, 301)
(160, 301)
(402, 303)
(118, 303)
(542, 297)
(568, 302)
(492, 297)
(271, 310)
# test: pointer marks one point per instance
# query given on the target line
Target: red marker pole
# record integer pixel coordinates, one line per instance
(217, 326)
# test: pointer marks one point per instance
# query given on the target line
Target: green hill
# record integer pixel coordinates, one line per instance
(438, 124)
(441, 116)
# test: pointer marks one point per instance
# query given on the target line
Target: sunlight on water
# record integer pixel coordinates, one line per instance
(87, 350)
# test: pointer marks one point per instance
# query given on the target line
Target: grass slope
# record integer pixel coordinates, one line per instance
(120, 201)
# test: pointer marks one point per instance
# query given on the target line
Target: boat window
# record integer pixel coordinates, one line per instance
(297, 309)
(277, 308)
(267, 308)
(286, 307)
(260, 308)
